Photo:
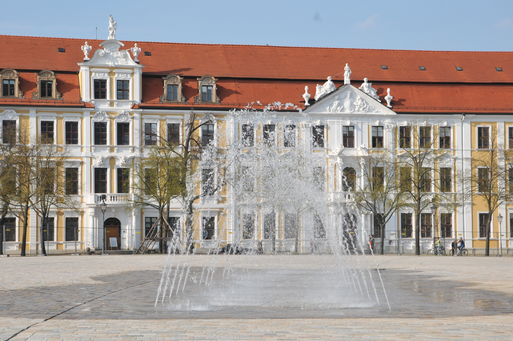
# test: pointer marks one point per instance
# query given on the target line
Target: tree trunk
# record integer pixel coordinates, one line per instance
(298, 234)
(161, 227)
(417, 232)
(188, 226)
(382, 227)
(2, 227)
(25, 228)
(43, 226)
(487, 247)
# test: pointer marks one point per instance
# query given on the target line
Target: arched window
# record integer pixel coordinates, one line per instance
(47, 86)
(348, 179)
(172, 89)
(207, 90)
(10, 83)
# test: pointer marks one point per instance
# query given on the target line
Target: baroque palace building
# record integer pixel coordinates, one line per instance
(104, 101)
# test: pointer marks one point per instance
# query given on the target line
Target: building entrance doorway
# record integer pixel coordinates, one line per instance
(112, 234)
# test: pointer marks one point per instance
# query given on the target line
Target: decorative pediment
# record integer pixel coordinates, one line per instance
(123, 117)
(9, 114)
(100, 116)
(349, 100)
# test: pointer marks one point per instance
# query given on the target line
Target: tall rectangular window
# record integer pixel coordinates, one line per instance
(248, 226)
(47, 132)
(445, 179)
(100, 89)
(289, 135)
(47, 180)
(444, 137)
(71, 227)
(378, 220)
(71, 181)
(318, 136)
(290, 226)
(48, 229)
(122, 89)
(318, 178)
(149, 223)
(100, 180)
(248, 135)
(9, 229)
(510, 180)
(483, 137)
(510, 137)
(425, 137)
(269, 225)
(511, 224)
(319, 231)
(208, 228)
(446, 225)
(123, 133)
(269, 134)
(247, 179)
(207, 134)
(71, 130)
(8, 87)
(150, 134)
(483, 180)
(377, 137)
(100, 133)
(172, 93)
(405, 179)
(206, 93)
(483, 223)
(425, 225)
(46, 88)
(405, 137)
(173, 133)
(406, 227)
(348, 136)
(9, 131)
(123, 180)
(425, 179)
(378, 178)
(207, 182)
(174, 224)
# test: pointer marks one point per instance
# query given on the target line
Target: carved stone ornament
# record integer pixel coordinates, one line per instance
(9, 114)
(86, 49)
(389, 98)
(100, 116)
(369, 90)
(350, 103)
(347, 74)
(112, 27)
(306, 96)
(99, 161)
(123, 117)
(136, 50)
(326, 88)
(123, 161)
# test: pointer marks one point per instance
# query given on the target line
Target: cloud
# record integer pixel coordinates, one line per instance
(504, 24)
(368, 23)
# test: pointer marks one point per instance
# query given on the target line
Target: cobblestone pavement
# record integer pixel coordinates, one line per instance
(110, 298)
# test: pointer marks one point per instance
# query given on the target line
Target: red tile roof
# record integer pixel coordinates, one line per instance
(273, 73)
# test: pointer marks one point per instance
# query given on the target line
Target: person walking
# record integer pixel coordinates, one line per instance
(461, 246)
(453, 247)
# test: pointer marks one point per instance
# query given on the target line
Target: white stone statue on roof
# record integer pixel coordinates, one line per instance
(112, 27)
(86, 48)
(389, 98)
(347, 74)
(306, 96)
(324, 89)
(369, 90)
(136, 50)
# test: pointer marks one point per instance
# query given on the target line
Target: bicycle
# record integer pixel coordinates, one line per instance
(437, 251)
(461, 252)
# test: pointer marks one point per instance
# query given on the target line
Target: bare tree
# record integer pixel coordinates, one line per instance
(380, 193)
(7, 185)
(491, 180)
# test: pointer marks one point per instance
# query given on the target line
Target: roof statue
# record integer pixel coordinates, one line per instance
(369, 90)
(347, 74)
(136, 50)
(326, 88)
(306, 96)
(86, 48)
(112, 27)
(389, 98)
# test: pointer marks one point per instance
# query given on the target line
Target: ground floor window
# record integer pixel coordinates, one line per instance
(446, 225)
(208, 227)
(248, 226)
(483, 222)
(290, 226)
(269, 225)
(148, 224)
(174, 225)
(425, 225)
(49, 229)
(9, 229)
(319, 230)
(377, 222)
(406, 227)
(71, 228)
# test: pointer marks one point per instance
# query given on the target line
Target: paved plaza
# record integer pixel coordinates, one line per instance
(112, 298)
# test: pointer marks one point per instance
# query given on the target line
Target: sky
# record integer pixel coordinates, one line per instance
(468, 25)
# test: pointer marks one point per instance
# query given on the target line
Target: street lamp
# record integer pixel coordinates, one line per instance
(499, 218)
(103, 208)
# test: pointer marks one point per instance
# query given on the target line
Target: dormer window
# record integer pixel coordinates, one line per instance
(10, 83)
(47, 85)
(122, 88)
(207, 90)
(172, 89)
(100, 89)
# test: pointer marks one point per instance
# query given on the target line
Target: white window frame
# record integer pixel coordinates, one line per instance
(209, 215)
(180, 128)
(100, 74)
(439, 222)
(430, 133)
(123, 75)
(491, 226)
(108, 144)
(17, 119)
(450, 136)
(253, 213)
(53, 119)
(296, 137)
(108, 180)
(276, 127)
(489, 136)
(242, 131)
(325, 135)
(79, 121)
(55, 221)
(16, 230)
(149, 120)
(130, 137)
(116, 180)
(71, 214)
(215, 132)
